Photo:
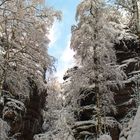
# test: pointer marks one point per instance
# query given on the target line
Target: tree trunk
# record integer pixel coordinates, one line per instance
(96, 72)
(136, 17)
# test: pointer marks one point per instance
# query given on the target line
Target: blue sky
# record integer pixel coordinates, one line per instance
(61, 33)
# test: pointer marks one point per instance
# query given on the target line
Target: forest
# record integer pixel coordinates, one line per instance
(99, 98)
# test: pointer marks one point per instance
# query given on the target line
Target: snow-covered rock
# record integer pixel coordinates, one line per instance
(135, 131)
(4, 129)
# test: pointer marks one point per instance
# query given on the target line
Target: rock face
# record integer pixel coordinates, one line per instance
(32, 123)
(23, 115)
(125, 98)
(128, 59)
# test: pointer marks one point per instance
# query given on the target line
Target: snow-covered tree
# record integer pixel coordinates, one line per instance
(24, 59)
(24, 27)
(93, 39)
(131, 7)
(57, 116)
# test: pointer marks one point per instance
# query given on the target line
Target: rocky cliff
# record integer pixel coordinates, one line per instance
(126, 98)
(20, 117)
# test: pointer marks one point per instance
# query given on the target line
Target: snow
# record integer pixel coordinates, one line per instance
(4, 129)
(129, 80)
(130, 60)
(16, 104)
(42, 136)
(123, 32)
(135, 72)
(127, 62)
(135, 132)
(105, 137)
(123, 138)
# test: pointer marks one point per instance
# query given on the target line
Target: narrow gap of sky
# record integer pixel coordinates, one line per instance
(60, 35)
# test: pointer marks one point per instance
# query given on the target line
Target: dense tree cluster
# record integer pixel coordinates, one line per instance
(99, 27)
(23, 29)
(53, 109)
(24, 59)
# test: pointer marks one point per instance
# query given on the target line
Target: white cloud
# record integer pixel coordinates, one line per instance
(54, 33)
(60, 75)
(68, 53)
(66, 60)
